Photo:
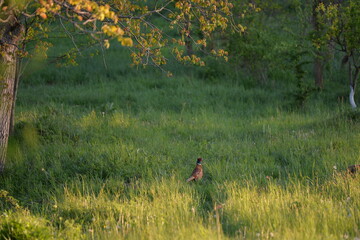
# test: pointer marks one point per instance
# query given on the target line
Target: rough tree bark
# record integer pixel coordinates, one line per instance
(11, 32)
(12, 115)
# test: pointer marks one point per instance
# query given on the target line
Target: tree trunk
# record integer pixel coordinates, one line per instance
(16, 85)
(353, 76)
(10, 34)
(318, 71)
(318, 62)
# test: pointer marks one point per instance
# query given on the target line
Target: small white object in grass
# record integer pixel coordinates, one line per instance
(335, 168)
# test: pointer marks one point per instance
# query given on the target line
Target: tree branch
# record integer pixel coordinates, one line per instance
(70, 36)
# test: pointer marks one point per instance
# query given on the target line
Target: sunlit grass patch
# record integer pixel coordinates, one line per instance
(90, 120)
(120, 120)
(155, 210)
(294, 211)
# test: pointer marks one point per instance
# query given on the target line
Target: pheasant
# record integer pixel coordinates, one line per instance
(197, 174)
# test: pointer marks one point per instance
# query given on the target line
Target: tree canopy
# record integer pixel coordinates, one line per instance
(132, 23)
(340, 27)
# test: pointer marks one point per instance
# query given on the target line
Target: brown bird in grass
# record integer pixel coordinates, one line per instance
(197, 174)
(353, 168)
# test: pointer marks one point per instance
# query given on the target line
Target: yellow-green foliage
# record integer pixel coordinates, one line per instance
(21, 225)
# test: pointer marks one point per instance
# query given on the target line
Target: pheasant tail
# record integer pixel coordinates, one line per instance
(190, 179)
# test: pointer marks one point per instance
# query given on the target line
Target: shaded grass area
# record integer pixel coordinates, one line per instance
(107, 158)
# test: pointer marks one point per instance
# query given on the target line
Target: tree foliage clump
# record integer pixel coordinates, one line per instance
(340, 28)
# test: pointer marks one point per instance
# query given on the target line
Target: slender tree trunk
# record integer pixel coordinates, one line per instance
(353, 76)
(10, 34)
(318, 62)
(352, 88)
(318, 71)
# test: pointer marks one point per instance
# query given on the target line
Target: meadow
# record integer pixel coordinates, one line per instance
(104, 154)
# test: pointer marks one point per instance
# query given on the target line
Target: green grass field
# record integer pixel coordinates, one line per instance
(104, 154)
